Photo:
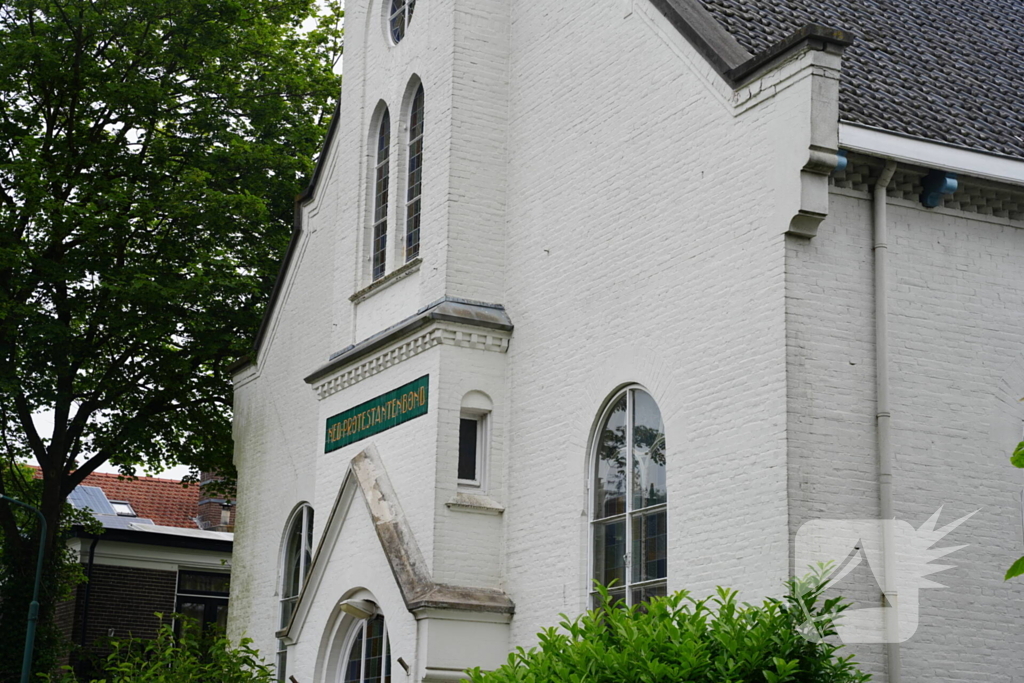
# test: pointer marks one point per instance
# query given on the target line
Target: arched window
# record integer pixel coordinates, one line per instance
(380, 193)
(298, 555)
(628, 508)
(415, 180)
(369, 655)
(399, 18)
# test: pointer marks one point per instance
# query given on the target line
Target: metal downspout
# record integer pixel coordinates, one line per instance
(883, 418)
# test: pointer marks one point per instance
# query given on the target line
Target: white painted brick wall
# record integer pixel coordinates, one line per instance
(276, 431)
(957, 372)
(641, 248)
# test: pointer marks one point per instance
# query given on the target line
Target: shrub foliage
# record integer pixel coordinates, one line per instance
(679, 638)
(188, 657)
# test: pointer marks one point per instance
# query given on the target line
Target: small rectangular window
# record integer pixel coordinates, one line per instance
(203, 583)
(469, 429)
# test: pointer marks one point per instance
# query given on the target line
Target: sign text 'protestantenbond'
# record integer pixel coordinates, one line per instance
(378, 414)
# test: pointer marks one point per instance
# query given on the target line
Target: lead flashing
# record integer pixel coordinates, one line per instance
(811, 36)
(732, 62)
(707, 36)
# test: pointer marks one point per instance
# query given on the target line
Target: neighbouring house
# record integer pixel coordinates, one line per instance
(164, 548)
(644, 291)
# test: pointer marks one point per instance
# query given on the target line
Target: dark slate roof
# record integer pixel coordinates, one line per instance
(947, 71)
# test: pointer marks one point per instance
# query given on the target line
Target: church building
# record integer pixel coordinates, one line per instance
(636, 292)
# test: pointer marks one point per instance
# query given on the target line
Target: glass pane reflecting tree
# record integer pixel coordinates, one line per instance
(630, 532)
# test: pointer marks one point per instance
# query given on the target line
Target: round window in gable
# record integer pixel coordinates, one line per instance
(399, 16)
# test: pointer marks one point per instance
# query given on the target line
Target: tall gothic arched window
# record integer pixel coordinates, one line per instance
(629, 517)
(295, 563)
(415, 178)
(380, 192)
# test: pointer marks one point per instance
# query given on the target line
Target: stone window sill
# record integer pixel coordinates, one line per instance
(475, 503)
(386, 281)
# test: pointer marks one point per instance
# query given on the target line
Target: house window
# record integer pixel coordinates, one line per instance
(472, 443)
(399, 18)
(123, 508)
(298, 555)
(380, 192)
(415, 181)
(203, 597)
(628, 506)
(369, 655)
(474, 438)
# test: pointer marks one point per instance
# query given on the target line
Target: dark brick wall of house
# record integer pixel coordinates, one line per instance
(122, 602)
(124, 599)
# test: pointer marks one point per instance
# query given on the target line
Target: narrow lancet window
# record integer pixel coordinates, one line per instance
(412, 204)
(380, 211)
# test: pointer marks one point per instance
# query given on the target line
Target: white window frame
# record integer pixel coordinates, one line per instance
(131, 510)
(390, 12)
(630, 513)
(354, 632)
(376, 183)
(302, 516)
(483, 440)
(407, 254)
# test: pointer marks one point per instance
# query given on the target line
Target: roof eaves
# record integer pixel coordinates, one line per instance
(304, 197)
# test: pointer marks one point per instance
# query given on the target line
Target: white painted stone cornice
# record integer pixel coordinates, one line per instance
(435, 334)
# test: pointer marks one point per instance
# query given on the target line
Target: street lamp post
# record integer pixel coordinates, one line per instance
(33, 608)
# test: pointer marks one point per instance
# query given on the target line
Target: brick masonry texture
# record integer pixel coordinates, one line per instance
(957, 374)
(637, 253)
(122, 602)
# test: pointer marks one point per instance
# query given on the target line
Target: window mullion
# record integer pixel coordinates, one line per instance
(302, 550)
(362, 656)
(629, 495)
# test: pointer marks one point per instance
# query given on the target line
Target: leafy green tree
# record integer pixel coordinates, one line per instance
(1017, 459)
(150, 152)
(681, 639)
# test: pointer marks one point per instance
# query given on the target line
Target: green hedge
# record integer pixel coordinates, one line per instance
(678, 638)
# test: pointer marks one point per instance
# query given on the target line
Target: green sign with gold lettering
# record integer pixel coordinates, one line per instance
(378, 414)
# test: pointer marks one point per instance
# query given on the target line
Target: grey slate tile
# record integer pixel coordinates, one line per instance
(947, 71)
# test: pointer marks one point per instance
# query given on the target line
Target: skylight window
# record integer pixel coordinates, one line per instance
(123, 508)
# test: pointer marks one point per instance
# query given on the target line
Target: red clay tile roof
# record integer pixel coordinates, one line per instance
(165, 501)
